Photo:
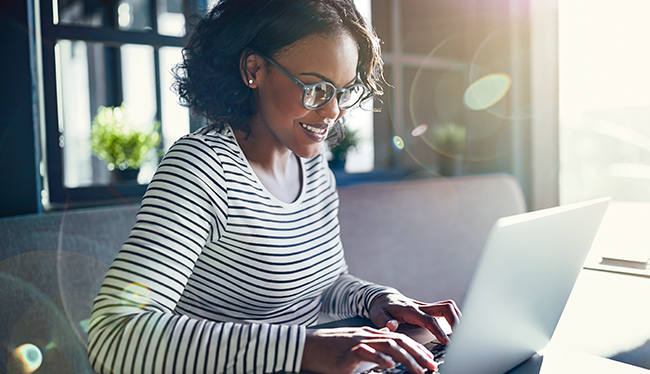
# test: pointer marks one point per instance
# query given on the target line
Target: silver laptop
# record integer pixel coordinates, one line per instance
(521, 284)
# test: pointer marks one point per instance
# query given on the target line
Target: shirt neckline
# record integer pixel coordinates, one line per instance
(275, 200)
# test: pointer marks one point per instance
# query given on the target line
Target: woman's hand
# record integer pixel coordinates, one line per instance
(341, 350)
(392, 309)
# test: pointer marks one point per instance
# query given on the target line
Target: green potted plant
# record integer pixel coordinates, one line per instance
(340, 150)
(124, 145)
(450, 140)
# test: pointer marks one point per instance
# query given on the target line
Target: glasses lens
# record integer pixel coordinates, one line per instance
(318, 95)
(351, 96)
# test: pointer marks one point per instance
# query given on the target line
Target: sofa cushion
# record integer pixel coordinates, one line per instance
(424, 237)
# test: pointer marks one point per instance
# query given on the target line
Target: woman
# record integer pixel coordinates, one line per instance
(236, 250)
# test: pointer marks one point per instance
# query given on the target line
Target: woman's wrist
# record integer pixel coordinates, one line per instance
(384, 298)
(309, 352)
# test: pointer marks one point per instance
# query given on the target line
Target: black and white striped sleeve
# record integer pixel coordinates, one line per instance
(350, 296)
(135, 327)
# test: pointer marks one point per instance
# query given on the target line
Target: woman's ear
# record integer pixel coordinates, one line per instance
(251, 67)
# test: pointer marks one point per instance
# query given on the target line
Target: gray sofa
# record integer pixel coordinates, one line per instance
(423, 237)
(51, 267)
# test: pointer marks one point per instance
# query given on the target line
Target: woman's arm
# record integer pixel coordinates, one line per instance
(135, 326)
(385, 307)
(350, 296)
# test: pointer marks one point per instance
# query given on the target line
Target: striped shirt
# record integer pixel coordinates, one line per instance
(219, 276)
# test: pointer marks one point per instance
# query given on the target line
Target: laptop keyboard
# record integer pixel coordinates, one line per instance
(438, 350)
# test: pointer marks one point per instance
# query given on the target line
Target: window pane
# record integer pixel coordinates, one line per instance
(171, 20)
(604, 100)
(423, 105)
(75, 12)
(74, 110)
(124, 14)
(134, 14)
(139, 90)
(175, 118)
(138, 81)
(604, 110)
(427, 26)
(362, 158)
(84, 83)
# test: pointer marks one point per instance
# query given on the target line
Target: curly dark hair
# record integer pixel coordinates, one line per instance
(209, 82)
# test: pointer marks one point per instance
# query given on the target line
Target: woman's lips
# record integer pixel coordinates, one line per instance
(315, 132)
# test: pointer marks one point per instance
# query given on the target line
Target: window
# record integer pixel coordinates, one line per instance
(107, 53)
(120, 51)
(604, 99)
(361, 159)
(437, 54)
(604, 111)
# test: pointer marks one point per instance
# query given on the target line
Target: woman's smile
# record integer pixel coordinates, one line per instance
(316, 131)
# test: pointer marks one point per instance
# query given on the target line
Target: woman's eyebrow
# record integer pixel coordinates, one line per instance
(326, 79)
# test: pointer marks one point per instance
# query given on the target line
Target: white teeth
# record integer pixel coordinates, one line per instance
(313, 129)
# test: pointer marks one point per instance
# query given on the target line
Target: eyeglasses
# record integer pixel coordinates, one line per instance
(317, 95)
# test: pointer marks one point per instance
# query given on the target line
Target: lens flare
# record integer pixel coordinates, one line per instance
(487, 91)
(136, 294)
(398, 143)
(419, 130)
(30, 356)
(85, 325)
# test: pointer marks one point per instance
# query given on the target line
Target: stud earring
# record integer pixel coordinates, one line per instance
(250, 81)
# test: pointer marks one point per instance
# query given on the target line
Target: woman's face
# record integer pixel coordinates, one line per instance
(281, 116)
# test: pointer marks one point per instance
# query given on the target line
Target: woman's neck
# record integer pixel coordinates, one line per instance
(264, 153)
(277, 168)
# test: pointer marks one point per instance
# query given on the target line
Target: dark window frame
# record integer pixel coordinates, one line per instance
(60, 196)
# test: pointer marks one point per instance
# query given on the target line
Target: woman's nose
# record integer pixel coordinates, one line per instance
(331, 110)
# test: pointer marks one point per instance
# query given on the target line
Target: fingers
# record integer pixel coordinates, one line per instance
(383, 319)
(402, 349)
(423, 315)
(454, 311)
(413, 314)
(434, 327)
(450, 303)
(407, 353)
(447, 309)
(343, 349)
(364, 352)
